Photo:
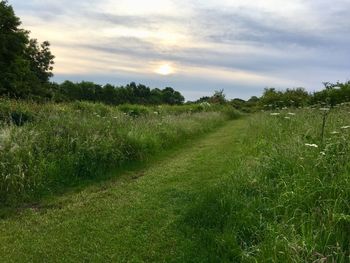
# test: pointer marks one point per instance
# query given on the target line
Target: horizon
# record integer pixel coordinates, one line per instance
(195, 48)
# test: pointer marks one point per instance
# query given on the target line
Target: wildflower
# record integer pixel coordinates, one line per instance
(334, 132)
(311, 145)
(324, 109)
(288, 118)
(345, 127)
(274, 113)
(156, 112)
(291, 113)
(323, 153)
(115, 117)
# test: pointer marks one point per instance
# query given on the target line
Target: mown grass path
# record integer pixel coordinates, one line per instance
(132, 218)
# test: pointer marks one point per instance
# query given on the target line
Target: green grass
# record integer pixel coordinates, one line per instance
(44, 147)
(289, 200)
(266, 188)
(132, 218)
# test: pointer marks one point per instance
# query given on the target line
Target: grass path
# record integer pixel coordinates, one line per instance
(132, 218)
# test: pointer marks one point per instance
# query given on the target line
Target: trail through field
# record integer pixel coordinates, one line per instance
(134, 217)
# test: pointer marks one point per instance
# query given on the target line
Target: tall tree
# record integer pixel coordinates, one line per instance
(25, 66)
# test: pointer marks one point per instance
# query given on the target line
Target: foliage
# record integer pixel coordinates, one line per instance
(218, 97)
(24, 65)
(114, 95)
(333, 94)
(272, 99)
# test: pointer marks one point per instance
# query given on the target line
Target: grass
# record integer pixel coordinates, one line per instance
(272, 187)
(45, 147)
(288, 200)
(132, 218)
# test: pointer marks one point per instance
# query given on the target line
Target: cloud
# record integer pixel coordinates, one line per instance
(240, 45)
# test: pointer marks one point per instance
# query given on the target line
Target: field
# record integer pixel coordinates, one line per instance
(43, 147)
(269, 187)
(287, 200)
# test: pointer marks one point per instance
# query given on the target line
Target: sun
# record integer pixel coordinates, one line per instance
(165, 69)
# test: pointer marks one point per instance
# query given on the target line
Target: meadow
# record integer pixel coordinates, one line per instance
(44, 147)
(272, 186)
(288, 197)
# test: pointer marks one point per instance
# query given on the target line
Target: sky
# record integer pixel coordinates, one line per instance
(195, 46)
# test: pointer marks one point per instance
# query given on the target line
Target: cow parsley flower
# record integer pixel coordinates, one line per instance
(311, 145)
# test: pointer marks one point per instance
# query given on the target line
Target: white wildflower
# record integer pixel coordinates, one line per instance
(288, 118)
(311, 145)
(345, 127)
(323, 153)
(275, 113)
(291, 113)
(334, 132)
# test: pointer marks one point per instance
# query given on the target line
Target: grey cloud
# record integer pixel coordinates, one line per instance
(149, 22)
(261, 28)
(262, 62)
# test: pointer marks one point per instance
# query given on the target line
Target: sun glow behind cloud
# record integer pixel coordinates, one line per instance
(199, 45)
(165, 69)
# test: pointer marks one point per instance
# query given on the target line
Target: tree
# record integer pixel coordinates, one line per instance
(40, 58)
(25, 67)
(271, 98)
(218, 97)
(172, 97)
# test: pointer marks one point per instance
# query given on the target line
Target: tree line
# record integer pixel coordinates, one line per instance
(114, 95)
(331, 95)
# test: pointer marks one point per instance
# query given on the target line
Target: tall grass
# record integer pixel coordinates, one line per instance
(44, 146)
(289, 198)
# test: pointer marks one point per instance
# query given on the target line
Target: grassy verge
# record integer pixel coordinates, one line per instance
(288, 200)
(44, 147)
